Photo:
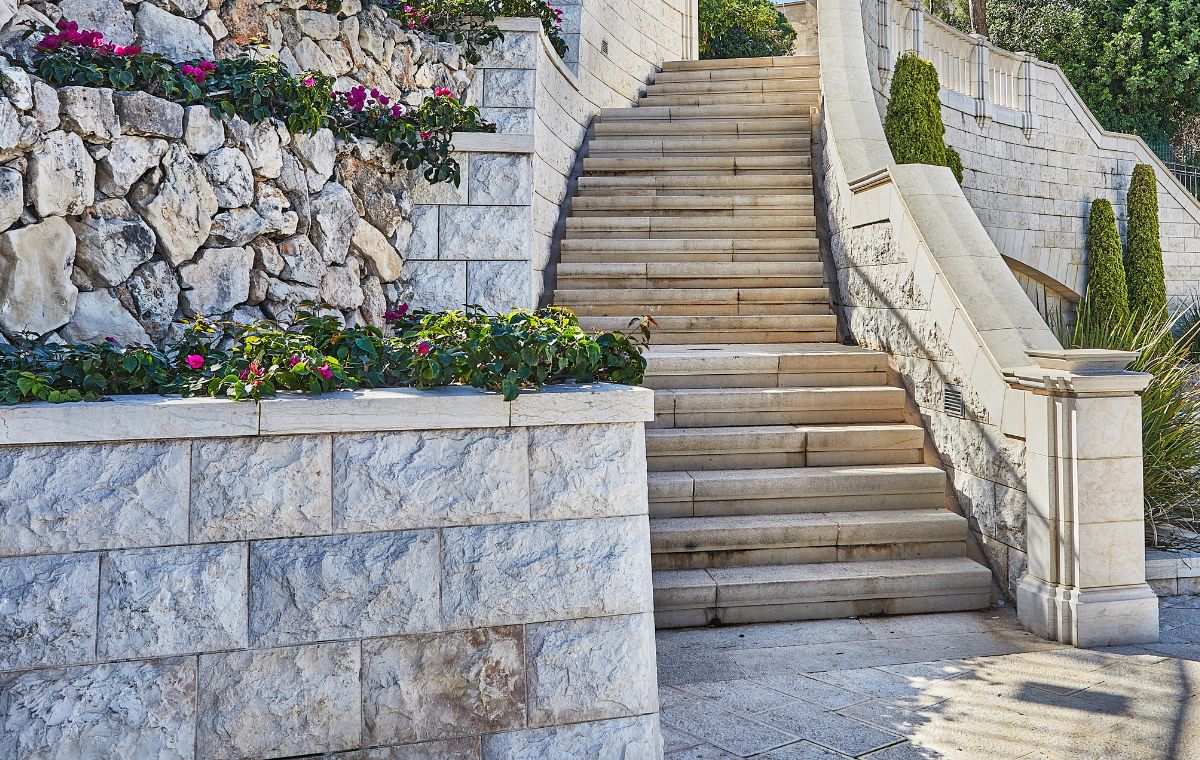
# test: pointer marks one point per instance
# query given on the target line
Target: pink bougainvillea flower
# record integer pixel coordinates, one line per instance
(195, 361)
(50, 42)
(293, 360)
(442, 92)
(207, 66)
(424, 347)
(392, 315)
(425, 135)
(309, 81)
(324, 371)
(253, 371)
(397, 111)
(132, 50)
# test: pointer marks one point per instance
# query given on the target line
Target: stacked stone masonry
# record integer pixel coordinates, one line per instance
(480, 589)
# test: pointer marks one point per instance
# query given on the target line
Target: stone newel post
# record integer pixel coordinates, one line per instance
(1086, 580)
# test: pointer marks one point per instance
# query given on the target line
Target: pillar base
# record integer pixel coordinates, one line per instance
(1088, 618)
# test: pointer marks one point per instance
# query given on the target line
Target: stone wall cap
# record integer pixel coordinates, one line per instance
(1084, 360)
(151, 417)
(491, 142)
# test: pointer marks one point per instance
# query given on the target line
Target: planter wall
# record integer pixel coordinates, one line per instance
(211, 579)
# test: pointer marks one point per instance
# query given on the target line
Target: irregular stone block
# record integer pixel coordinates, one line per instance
(156, 602)
(318, 152)
(236, 227)
(625, 738)
(587, 471)
(277, 702)
(202, 132)
(332, 222)
(530, 572)
(129, 157)
(443, 684)
(49, 605)
(12, 197)
(99, 316)
(500, 285)
(61, 498)
(89, 112)
(301, 260)
(61, 178)
(228, 171)
(181, 210)
(393, 481)
(107, 16)
(120, 710)
(259, 487)
(177, 38)
(374, 194)
(36, 292)
(344, 587)
(484, 233)
(155, 292)
(17, 86)
(144, 114)
(591, 669)
(112, 241)
(501, 179)
(373, 246)
(341, 288)
(216, 281)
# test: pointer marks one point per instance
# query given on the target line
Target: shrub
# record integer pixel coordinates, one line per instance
(315, 353)
(1144, 259)
(1107, 292)
(913, 123)
(743, 29)
(471, 23)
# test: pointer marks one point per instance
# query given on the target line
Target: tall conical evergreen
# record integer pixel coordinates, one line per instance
(1144, 259)
(1107, 294)
(913, 123)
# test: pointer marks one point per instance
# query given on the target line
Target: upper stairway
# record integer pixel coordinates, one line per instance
(787, 476)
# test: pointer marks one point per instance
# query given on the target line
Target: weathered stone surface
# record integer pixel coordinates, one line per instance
(58, 498)
(144, 114)
(273, 206)
(587, 471)
(17, 132)
(343, 587)
(318, 154)
(340, 287)
(12, 197)
(625, 738)
(128, 159)
(430, 478)
(156, 602)
(374, 195)
(17, 86)
(509, 88)
(262, 145)
(216, 281)
(259, 488)
(99, 316)
(373, 246)
(449, 749)
(283, 298)
(45, 107)
(126, 710)
(441, 684)
(155, 292)
(295, 186)
(501, 179)
(591, 669)
(266, 256)
(177, 38)
(484, 232)
(277, 702)
(236, 227)
(35, 274)
(301, 260)
(112, 241)
(202, 132)
(181, 211)
(528, 572)
(332, 222)
(437, 285)
(107, 16)
(61, 178)
(228, 170)
(500, 285)
(49, 605)
(374, 303)
(245, 21)
(89, 112)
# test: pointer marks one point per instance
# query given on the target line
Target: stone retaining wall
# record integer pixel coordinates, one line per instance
(440, 573)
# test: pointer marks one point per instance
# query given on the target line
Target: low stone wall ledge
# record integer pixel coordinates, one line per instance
(492, 142)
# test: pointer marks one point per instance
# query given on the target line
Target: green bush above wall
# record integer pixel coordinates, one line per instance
(743, 29)
(1107, 294)
(913, 123)
(1144, 260)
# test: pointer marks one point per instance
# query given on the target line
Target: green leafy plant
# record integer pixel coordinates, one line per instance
(913, 123)
(506, 353)
(1144, 258)
(471, 23)
(743, 29)
(1107, 291)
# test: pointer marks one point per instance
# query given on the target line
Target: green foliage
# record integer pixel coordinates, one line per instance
(471, 23)
(504, 353)
(1107, 292)
(1144, 259)
(743, 29)
(913, 123)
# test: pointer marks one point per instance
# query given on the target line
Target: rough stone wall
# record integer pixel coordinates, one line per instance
(803, 17)
(471, 593)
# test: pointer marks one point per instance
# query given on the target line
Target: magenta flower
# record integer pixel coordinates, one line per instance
(50, 42)
(324, 371)
(253, 371)
(309, 81)
(294, 360)
(195, 361)
(392, 315)
(423, 348)
(442, 92)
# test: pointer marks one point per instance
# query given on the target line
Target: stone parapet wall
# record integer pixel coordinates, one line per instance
(440, 573)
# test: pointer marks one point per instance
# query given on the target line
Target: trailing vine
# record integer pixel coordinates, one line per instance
(471, 23)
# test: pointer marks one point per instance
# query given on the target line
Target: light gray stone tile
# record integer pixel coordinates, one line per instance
(118, 710)
(700, 752)
(829, 729)
(767, 635)
(274, 702)
(450, 749)
(625, 738)
(591, 669)
(499, 286)
(518, 50)
(725, 730)
(343, 587)
(679, 667)
(260, 487)
(803, 751)
(877, 683)
(526, 573)
(431, 478)
(60, 498)
(47, 610)
(899, 626)
(156, 602)
(815, 692)
(674, 739)
(484, 233)
(437, 285)
(501, 179)
(587, 471)
(905, 751)
(886, 716)
(423, 244)
(509, 88)
(430, 686)
(740, 695)
(511, 121)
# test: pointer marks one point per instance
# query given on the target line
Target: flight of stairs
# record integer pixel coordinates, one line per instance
(787, 480)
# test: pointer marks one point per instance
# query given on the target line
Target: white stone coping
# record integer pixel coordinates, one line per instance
(1161, 565)
(535, 25)
(491, 142)
(152, 417)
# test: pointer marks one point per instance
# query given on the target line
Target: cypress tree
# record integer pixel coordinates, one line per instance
(1107, 294)
(913, 123)
(1144, 260)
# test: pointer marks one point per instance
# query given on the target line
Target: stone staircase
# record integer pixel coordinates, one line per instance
(787, 479)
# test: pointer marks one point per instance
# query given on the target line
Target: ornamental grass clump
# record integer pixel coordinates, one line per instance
(913, 123)
(1107, 291)
(314, 353)
(1143, 257)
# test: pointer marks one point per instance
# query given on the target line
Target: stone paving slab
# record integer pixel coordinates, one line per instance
(919, 687)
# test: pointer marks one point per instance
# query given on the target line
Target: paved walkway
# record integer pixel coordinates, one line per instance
(957, 685)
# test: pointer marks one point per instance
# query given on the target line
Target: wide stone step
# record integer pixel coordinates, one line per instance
(697, 165)
(691, 205)
(794, 126)
(808, 84)
(715, 225)
(797, 98)
(741, 112)
(764, 366)
(686, 543)
(745, 73)
(685, 598)
(726, 145)
(776, 446)
(777, 62)
(719, 407)
(674, 330)
(709, 301)
(690, 274)
(696, 184)
(790, 490)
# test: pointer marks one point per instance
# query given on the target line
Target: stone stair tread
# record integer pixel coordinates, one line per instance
(855, 480)
(687, 184)
(608, 295)
(777, 61)
(743, 438)
(785, 126)
(809, 84)
(749, 73)
(692, 269)
(783, 98)
(683, 400)
(739, 111)
(696, 163)
(699, 203)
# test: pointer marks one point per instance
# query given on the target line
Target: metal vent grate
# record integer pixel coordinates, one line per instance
(604, 47)
(952, 401)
